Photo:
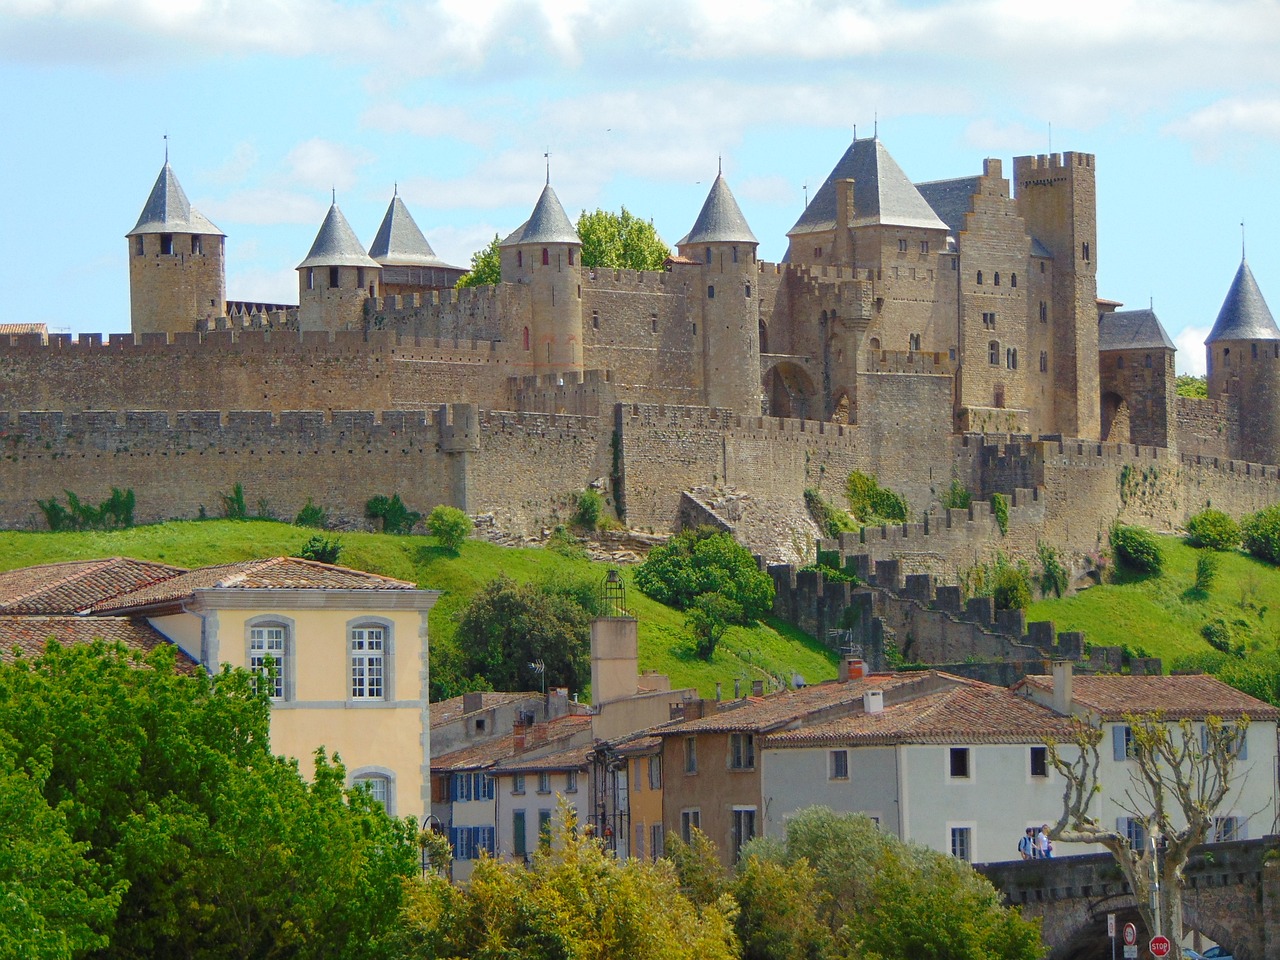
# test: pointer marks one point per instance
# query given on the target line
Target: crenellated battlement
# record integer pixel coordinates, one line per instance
(908, 361)
(1056, 161)
(603, 278)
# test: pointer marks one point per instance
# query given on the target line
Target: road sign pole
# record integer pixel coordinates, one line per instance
(1111, 932)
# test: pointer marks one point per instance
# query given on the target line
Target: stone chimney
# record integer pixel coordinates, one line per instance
(873, 701)
(852, 668)
(1062, 692)
(471, 702)
(757, 688)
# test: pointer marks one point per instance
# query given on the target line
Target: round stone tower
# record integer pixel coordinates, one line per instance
(177, 270)
(722, 242)
(336, 278)
(1243, 353)
(545, 255)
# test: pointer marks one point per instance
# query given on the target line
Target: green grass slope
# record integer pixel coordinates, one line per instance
(767, 650)
(1162, 616)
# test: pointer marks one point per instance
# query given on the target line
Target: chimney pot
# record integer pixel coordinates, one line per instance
(757, 688)
(873, 701)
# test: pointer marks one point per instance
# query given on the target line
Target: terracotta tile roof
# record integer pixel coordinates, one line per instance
(29, 634)
(761, 715)
(572, 758)
(970, 712)
(447, 711)
(76, 585)
(7, 329)
(639, 744)
(1188, 696)
(480, 756)
(275, 573)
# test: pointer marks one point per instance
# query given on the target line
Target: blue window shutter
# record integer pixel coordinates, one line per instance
(488, 839)
(1117, 742)
(453, 788)
(488, 787)
(453, 842)
(1242, 745)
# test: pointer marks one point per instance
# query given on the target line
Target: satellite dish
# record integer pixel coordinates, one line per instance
(797, 681)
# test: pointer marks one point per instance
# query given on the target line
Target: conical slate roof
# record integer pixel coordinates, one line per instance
(168, 211)
(1132, 330)
(720, 220)
(882, 193)
(336, 245)
(1244, 314)
(547, 224)
(399, 241)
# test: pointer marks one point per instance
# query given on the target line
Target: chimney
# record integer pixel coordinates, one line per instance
(873, 701)
(717, 691)
(471, 702)
(852, 668)
(737, 689)
(757, 688)
(1062, 692)
(518, 733)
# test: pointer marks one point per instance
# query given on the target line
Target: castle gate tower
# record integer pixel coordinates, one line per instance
(1057, 198)
(1243, 353)
(336, 278)
(409, 265)
(544, 255)
(722, 242)
(177, 271)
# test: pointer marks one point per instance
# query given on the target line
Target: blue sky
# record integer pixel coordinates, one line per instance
(269, 104)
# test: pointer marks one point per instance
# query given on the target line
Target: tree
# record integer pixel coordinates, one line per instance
(450, 526)
(620, 240)
(575, 900)
(696, 562)
(709, 617)
(395, 516)
(486, 267)
(1181, 776)
(508, 626)
(779, 908)
(195, 841)
(884, 898)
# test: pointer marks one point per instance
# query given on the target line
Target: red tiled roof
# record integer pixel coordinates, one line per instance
(483, 755)
(76, 585)
(780, 709)
(447, 711)
(1190, 696)
(971, 712)
(28, 635)
(7, 329)
(275, 573)
(572, 758)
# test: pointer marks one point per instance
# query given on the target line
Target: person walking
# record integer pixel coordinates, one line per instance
(1043, 843)
(1026, 845)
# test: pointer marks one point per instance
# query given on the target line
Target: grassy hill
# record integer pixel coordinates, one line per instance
(771, 650)
(1163, 616)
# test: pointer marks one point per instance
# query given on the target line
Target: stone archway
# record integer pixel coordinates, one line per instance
(1115, 418)
(789, 392)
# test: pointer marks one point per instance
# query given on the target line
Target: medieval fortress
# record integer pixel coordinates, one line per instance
(922, 333)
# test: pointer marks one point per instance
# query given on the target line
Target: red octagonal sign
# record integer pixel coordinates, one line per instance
(1160, 946)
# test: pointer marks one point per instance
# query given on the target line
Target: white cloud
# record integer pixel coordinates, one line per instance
(264, 206)
(237, 166)
(262, 285)
(323, 164)
(997, 138)
(771, 189)
(456, 244)
(1191, 355)
(428, 120)
(1229, 119)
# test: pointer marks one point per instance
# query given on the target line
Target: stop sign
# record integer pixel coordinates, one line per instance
(1160, 946)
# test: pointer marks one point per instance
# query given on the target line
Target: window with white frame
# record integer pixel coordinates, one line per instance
(1039, 762)
(378, 787)
(962, 843)
(517, 783)
(839, 765)
(466, 787)
(1122, 746)
(1226, 829)
(744, 827)
(468, 842)
(544, 782)
(690, 820)
(742, 751)
(1132, 829)
(571, 781)
(368, 648)
(268, 652)
(959, 766)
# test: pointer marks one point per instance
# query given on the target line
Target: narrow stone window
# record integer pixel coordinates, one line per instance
(359, 276)
(595, 319)
(1119, 363)
(1147, 360)
(571, 256)
(913, 341)
(993, 353)
(1253, 347)
(1013, 279)
(924, 246)
(902, 245)
(711, 292)
(520, 259)
(311, 278)
(334, 278)
(1042, 266)
(653, 322)
(997, 278)
(979, 278)
(1084, 252)
(748, 291)
(526, 338)
(166, 244)
(735, 254)
(708, 254)
(1044, 312)
(1044, 362)
(546, 257)
(139, 247)
(197, 247)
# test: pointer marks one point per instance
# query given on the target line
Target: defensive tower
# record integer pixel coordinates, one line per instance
(1243, 355)
(544, 253)
(336, 278)
(1057, 197)
(722, 242)
(177, 272)
(409, 265)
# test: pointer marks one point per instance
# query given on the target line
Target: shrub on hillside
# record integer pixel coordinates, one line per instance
(700, 561)
(830, 520)
(114, 513)
(1011, 590)
(869, 501)
(321, 549)
(312, 516)
(1213, 529)
(395, 516)
(1261, 534)
(590, 506)
(957, 497)
(450, 526)
(1137, 548)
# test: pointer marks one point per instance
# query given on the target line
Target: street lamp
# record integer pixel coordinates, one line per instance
(430, 824)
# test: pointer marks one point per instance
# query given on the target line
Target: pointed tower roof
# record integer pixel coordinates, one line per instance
(882, 193)
(1244, 314)
(720, 220)
(547, 224)
(168, 211)
(1132, 330)
(399, 241)
(336, 245)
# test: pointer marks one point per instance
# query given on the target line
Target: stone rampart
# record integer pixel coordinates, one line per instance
(1207, 428)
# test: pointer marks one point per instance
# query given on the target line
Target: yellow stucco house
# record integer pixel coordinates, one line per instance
(350, 648)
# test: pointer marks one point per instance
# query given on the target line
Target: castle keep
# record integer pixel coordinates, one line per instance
(923, 333)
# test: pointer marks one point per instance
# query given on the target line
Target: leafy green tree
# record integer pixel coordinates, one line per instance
(450, 526)
(1260, 534)
(779, 908)
(899, 901)
(1011, 590)
(620, 240)
(395, 516)
(702, 879)
(508, 626)
(168, 790)
(696, 562)
(708, 619)
(1213, 529)
(589, 508)
(1192, 386)
(575, 901)
(312, 515)
(486, 267)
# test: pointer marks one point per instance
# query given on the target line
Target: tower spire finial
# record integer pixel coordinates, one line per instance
(395, 189)
(720, 164)
(547, 156)
(333, 195)
(1242, 241)
(875, 129)
(166, 147)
